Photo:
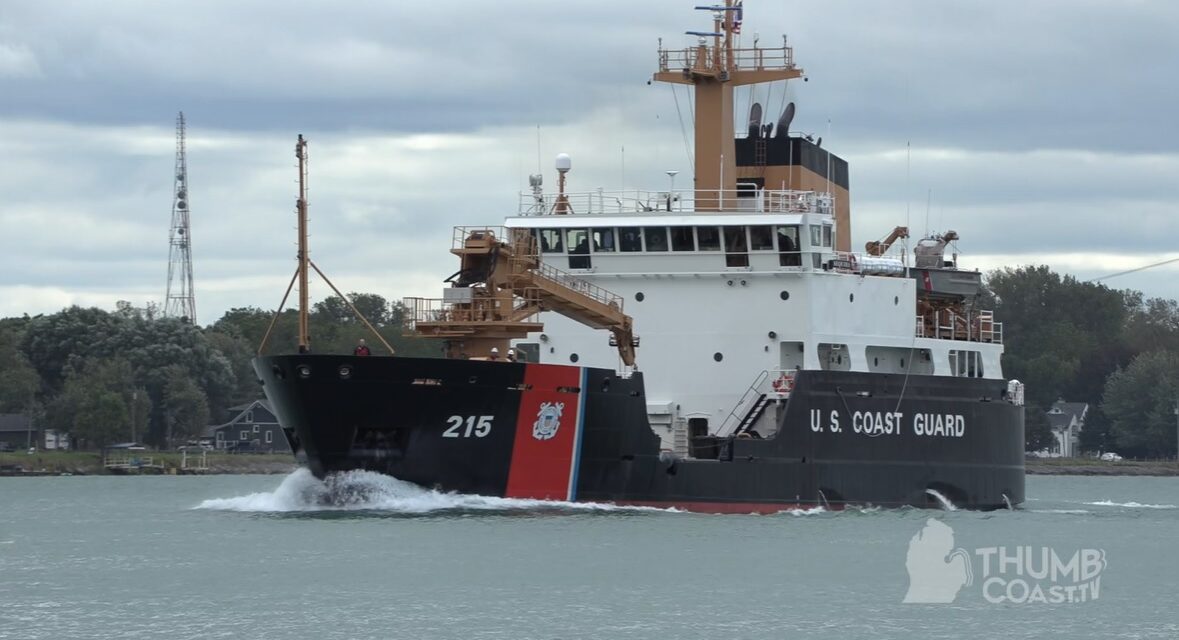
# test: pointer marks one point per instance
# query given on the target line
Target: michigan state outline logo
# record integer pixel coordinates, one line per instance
(548, 420)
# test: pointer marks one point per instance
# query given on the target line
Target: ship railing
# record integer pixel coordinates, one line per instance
(745, 405)
(640, 201)
(708, 59)
(978, 326)
(569, 281)
(473, 310)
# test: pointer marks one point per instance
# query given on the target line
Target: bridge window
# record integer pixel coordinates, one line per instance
(708, 238)
(682, 240)
(550, 241)
(736, 247)
(629, 239)
(761, 238)
(826, 235)
(788, 255)
(603, 240)
(816, 236)
(578, 242)
(656, 238)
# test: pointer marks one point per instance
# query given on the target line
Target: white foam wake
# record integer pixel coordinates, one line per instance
(1131, 505)
(945, 502)
(369, 491)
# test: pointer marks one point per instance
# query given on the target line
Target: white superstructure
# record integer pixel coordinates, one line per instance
(725, 300)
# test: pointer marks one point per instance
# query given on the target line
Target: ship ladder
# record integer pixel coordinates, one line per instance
(758, 408)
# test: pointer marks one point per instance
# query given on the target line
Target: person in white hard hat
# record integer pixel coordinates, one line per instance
(494, 353)
(511, 355)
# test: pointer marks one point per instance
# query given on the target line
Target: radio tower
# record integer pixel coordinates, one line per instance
(180, 301)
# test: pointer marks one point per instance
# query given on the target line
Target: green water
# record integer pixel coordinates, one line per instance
(275, 557)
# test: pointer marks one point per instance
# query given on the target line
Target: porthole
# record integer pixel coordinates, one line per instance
(718, 356)
(851, 297)
(304, 371)
(573, 357)
(785, 295)
(875, 362)
(639, 296)
(345, 372)
(278, 372)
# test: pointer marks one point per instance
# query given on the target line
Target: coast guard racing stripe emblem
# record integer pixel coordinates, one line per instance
(548, 434)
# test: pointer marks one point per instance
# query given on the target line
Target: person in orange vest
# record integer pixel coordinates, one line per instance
(361, 349)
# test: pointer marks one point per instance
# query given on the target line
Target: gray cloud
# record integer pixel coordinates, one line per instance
(1043, 130)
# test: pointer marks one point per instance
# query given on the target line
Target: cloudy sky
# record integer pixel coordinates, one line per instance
(1042, 132)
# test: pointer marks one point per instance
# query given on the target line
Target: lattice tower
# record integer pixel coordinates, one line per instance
(180, 300)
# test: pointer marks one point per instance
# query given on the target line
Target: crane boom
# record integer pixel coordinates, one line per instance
(880, 247)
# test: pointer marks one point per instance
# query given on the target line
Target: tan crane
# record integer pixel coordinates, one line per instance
(499, 288)
(880, 247)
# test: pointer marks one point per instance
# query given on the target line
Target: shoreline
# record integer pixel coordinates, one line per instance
(85, 463)
(1090, 467)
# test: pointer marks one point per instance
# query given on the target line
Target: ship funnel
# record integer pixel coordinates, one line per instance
(755, 120)
(784, 121)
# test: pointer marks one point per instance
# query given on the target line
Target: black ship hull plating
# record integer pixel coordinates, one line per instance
(570, 433)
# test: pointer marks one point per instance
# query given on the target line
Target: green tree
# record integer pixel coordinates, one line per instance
(95, 401)
(1063, 336)
(101, 419)
(19, 382)
(1139, 403)
(186, 409)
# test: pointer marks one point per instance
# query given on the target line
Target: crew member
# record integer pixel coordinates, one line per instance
(494, 354)
(511, 355)
(361, 349)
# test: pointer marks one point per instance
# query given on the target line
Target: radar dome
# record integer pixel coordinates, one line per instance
(564, 163)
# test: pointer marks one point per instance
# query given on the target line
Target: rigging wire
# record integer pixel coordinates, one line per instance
(683, 132)
(1134, 270)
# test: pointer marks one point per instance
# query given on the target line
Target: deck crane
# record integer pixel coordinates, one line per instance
(501, 286)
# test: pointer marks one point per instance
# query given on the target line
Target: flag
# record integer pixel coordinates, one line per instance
(738, 14)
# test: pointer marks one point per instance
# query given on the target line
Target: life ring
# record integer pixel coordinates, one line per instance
(784, 383)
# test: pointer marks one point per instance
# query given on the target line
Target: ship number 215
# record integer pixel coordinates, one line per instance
(477, 426)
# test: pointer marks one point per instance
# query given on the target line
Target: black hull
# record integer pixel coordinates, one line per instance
(569, 433)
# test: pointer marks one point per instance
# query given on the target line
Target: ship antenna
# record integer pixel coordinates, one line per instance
(908, 172)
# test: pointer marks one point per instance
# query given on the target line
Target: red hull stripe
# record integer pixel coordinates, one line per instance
(548, 433)
(721, 507)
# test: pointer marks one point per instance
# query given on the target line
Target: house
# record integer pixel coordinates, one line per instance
(17, 432)
(1067, 420)
(252, 428)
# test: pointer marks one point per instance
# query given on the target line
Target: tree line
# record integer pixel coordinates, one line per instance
(130, 375)
(107, 377)
(1080, 341)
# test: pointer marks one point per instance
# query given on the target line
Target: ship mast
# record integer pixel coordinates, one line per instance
(301, 208)
(714, 69)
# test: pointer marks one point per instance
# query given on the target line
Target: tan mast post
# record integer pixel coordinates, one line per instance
(301, 208)
(714, 71)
